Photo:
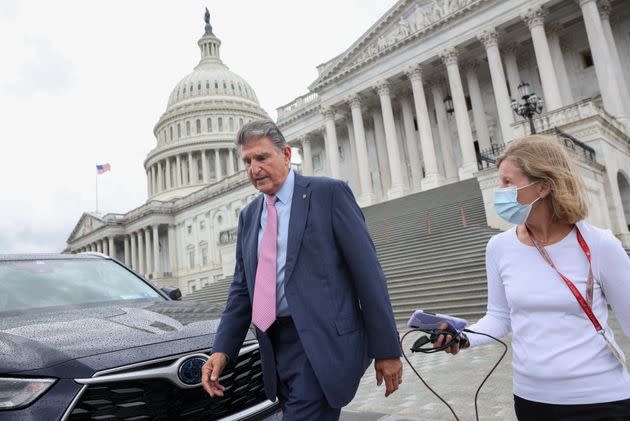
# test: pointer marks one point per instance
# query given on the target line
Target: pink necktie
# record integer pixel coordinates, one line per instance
(264, 307)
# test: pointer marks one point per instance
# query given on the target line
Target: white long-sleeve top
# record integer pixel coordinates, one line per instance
(557, 356)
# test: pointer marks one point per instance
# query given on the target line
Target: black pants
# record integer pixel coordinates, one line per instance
(536, 411)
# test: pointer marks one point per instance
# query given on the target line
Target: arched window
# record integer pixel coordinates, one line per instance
(199, 86)
(171, 132)
(198, 123)
(216, 85)
(179, 131)
(231, 123)
(233, 90)
(209, 124)
(224, 85)
(191, 87)
(220, 123)
(188, 128)
(207, 85)
(240, 123)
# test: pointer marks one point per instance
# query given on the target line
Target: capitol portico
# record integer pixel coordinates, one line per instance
(379, 115)
(422, 99)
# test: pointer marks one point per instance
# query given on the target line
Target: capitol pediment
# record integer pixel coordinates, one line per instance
(87, 224)
(405, 21)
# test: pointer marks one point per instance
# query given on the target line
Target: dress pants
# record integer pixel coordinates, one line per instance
(300, 395)
(607, 411)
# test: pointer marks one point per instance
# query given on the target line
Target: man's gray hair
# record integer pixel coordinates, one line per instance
(258, 129)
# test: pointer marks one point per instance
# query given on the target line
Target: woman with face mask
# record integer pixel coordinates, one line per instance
(551, 279)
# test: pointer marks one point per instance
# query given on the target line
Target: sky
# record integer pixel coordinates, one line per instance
(84, 82)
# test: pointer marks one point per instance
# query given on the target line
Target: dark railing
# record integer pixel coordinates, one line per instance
(487, 158)
(580, 148)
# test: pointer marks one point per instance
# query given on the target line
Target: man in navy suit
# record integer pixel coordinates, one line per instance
(308, 278)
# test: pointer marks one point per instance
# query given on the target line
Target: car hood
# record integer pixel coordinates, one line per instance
(43, 338)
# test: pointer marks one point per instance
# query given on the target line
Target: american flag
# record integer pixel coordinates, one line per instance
(100, 169)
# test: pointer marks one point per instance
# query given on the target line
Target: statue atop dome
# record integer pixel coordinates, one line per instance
(206, 17)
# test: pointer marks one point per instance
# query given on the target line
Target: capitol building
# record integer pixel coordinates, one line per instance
(421, 100)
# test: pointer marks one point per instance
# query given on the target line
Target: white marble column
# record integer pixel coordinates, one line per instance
(191, 179)
(553, 30)
(178, 167)
(307, 156)
(153, 180)
(217, 165)
(148, 251)
(367, 193)
(446, 142)
(464, 132)
(393, 152)
(167, 173)
(159, 176)
(412, 142)
(99, 246)
(127, 251)
(140, 240)
(490, 40)
(476, 101)
(157, 269)
(134, 251)
(149, 183)
(105, 245)
(230, 163)
(112, 247)
(604, 11)
(511, 69)
(204, 166)
(172, 253)
(381, 150)
(332, 147)
(353, 161)
(432, 177)
(551, 90)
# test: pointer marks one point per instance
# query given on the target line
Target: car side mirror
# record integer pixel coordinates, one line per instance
(173, 293)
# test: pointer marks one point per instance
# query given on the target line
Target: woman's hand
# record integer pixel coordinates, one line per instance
(459, 343)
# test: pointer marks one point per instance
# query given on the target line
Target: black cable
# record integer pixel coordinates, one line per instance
(418, 374)
(505, 348)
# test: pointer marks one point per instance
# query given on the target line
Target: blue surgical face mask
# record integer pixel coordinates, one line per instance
(508, 208)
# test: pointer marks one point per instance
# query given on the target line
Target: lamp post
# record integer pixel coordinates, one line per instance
(448, 104)
(532, 104)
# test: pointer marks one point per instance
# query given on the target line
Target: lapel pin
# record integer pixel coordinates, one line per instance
(304, 196)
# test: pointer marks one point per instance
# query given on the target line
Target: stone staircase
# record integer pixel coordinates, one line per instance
(431, 246)
(215, 292)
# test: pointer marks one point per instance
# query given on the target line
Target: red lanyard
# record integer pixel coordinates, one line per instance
(584, 303)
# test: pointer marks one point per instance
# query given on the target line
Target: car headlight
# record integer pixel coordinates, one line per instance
(16, 393)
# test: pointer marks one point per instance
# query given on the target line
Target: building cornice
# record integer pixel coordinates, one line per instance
(342, 67)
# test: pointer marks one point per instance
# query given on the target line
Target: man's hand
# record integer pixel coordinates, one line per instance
(390, 370)
(210, 373)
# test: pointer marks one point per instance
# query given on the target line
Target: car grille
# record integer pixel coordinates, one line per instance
(159, 399)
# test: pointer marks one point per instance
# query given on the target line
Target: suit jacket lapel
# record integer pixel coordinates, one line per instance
(297, 223)
(250, 245)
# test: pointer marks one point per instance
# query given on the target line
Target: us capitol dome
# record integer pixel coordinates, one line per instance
(195, 135)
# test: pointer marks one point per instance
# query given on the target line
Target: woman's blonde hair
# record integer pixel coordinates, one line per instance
(544, 157)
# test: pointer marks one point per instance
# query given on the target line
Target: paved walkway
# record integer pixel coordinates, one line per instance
(456, 378)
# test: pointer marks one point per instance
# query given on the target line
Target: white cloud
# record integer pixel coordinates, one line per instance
(8, 9)
(44, 72)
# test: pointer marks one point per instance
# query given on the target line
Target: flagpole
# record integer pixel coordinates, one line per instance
(96, 180)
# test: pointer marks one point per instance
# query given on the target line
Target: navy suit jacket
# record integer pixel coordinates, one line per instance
(334, 284)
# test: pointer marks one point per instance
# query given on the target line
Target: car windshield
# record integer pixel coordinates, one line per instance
(29, 284)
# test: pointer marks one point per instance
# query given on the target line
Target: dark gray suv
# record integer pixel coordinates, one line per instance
(82, 337)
